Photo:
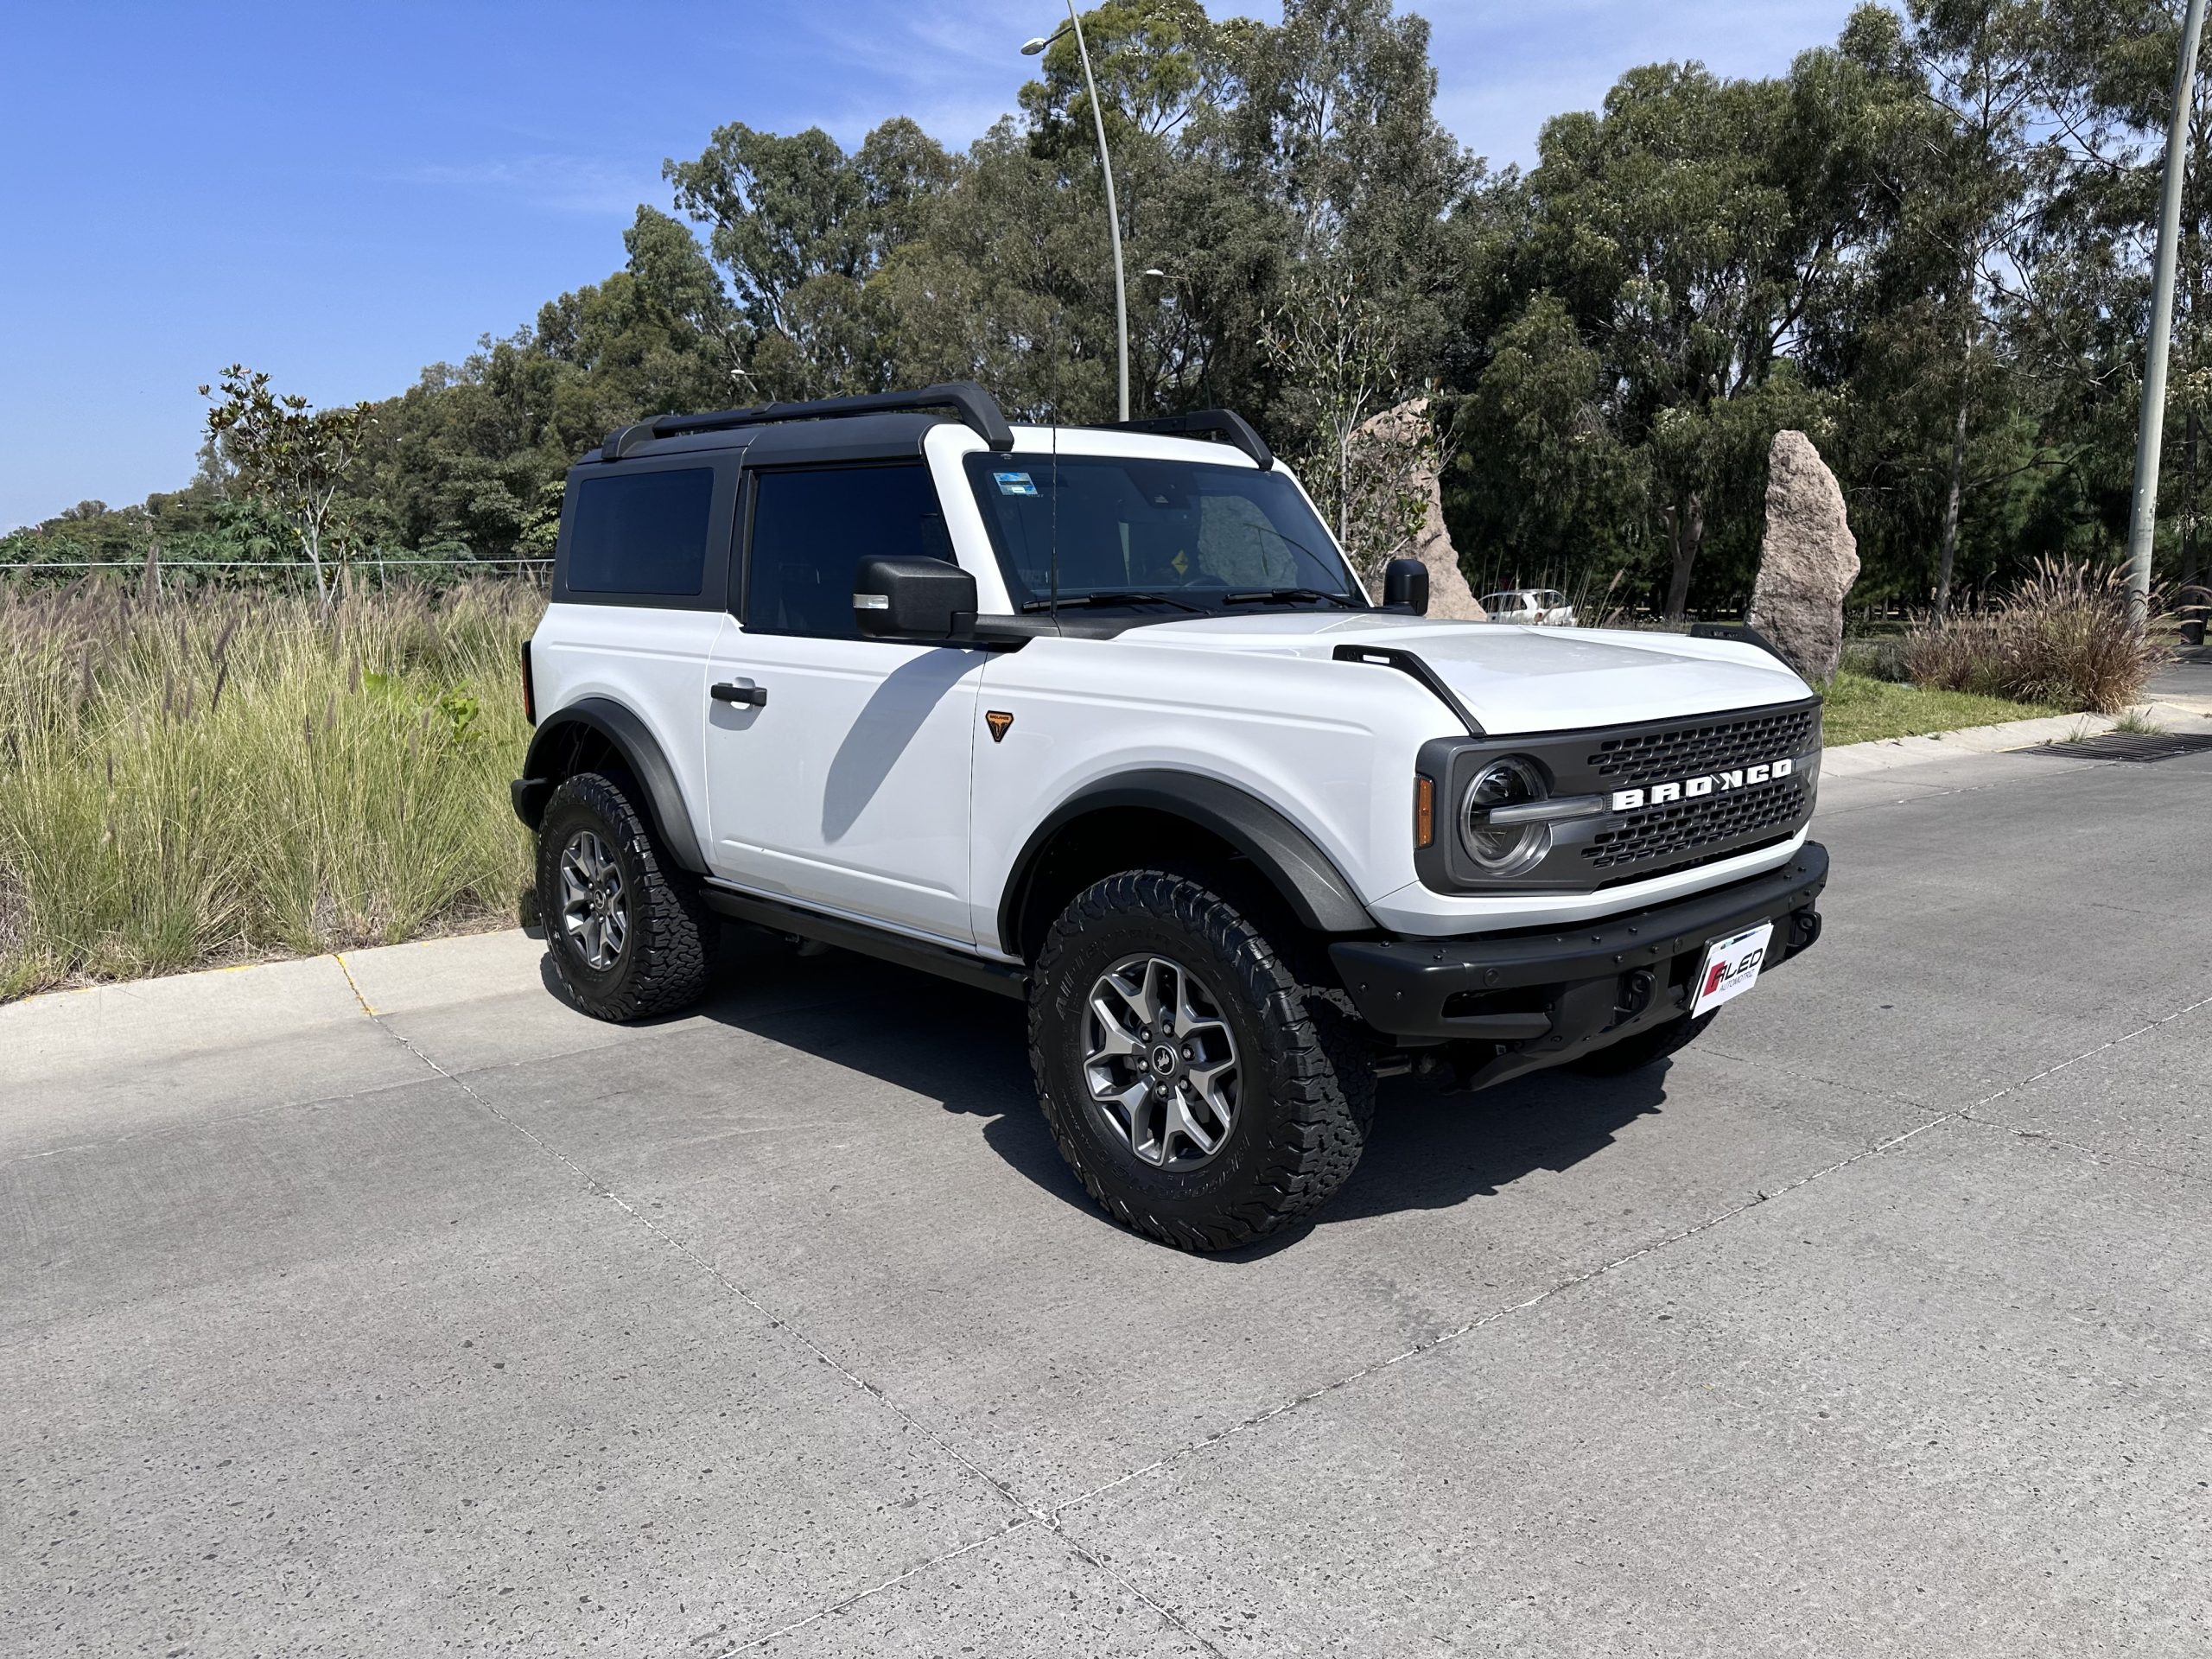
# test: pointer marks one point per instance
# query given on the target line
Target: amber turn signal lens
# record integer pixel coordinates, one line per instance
(1424, 811)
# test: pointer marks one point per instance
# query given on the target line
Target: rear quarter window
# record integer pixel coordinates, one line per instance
(641, 533)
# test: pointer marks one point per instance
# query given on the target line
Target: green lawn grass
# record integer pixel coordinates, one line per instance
(1860, 709)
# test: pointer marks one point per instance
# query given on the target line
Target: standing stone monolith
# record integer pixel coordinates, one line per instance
(1807, 562)
(1395, 452)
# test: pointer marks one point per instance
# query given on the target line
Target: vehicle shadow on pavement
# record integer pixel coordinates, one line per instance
(1431, 1148)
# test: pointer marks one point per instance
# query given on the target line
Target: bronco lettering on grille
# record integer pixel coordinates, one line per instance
(1711, 783)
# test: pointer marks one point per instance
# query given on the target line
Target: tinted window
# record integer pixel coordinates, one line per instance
(811, 531)
(641, 533)
(1118, 523)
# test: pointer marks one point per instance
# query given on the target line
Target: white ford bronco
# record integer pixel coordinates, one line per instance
(1099, 718)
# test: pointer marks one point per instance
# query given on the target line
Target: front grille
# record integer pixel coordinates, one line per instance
(1684, 751)
(1692, 826)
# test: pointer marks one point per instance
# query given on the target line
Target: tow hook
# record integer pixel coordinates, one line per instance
(1636, 992)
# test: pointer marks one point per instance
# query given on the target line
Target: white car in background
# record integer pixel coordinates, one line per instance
(1544, 606)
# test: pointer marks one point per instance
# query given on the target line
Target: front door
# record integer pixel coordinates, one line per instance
(837, 767)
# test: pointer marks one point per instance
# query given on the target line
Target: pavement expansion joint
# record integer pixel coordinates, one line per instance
(354, 986)
(197, 1126)
(1710, 1049)
(2094, 1154)
(1652, 1248)
(847, 1603)
(1048, 1521)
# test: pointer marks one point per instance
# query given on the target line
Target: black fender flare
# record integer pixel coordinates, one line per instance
(1305, 877)
(554, 746)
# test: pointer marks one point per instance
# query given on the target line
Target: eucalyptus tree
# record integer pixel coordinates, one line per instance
(1971, 157)
(1329, 123)
(1201, 253)
(2110, 66)
(1694, 230)
(796, 227)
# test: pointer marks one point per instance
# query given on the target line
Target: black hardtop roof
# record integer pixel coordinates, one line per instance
(829, 427)
(968, 402)
(861, 437)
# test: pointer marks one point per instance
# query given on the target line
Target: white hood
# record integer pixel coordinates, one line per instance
(1520, 679)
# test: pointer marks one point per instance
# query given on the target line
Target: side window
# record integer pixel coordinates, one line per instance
(641, 533)
(811, 531)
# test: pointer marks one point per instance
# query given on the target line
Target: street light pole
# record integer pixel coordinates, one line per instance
(1113, 210)
(2150, 429)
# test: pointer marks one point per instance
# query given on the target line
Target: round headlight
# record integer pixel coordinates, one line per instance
(1499, 844)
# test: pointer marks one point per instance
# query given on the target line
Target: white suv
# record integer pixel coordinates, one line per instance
(1098, 718)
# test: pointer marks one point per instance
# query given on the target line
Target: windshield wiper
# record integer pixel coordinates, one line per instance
(1079, 601)
(1277, 594)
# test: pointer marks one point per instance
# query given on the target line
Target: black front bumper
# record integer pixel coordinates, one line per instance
(1538, 996)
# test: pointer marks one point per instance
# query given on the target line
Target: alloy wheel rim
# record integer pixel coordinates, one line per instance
(1160, 1062)
(594, 903)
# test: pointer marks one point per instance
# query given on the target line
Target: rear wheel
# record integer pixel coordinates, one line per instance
(1200, 1092)
(1645, 1048)
(625, 931)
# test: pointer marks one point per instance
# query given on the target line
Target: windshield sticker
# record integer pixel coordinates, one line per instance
(1014, 484)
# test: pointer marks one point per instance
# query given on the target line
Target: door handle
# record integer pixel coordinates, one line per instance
(756, 695)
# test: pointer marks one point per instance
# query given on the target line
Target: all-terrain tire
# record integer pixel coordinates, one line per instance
(1306, 1080)
(668, 939)
(1645, 1048)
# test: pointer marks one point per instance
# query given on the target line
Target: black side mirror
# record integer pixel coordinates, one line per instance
(921, 600)
(1404, 587)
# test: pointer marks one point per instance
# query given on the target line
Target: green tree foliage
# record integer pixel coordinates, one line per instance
(1691, 232)
(1926, 244)
(293, 460)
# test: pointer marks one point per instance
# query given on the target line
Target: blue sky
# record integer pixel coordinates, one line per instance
(342, 193)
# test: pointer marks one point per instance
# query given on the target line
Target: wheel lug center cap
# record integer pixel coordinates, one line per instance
(1163, 1059)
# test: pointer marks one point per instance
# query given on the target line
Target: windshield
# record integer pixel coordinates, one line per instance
(1194, 535)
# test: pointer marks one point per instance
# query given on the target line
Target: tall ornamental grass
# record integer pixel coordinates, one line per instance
(2062, 638)
(217, 777)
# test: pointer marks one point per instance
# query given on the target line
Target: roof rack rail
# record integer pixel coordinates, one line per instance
(975, 407)
(1224, 424)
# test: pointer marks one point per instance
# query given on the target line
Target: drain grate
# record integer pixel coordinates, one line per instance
(2127, 746)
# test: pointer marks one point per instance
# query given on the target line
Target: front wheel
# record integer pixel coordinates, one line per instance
(1202, 1095)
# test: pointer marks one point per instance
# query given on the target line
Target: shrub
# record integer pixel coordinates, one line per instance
(215, 778)
(2063, 636)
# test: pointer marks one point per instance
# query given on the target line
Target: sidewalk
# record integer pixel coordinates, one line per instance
(2179, 700)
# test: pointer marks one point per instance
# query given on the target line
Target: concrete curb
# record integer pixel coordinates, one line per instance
(1855, 760)
(253, 1001)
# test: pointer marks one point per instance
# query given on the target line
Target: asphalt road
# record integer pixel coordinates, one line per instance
(1880, 1322)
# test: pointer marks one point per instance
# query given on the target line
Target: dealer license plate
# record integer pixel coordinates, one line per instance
(1731, 967)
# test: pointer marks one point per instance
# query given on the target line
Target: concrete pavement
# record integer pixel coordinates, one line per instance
(388, 1307)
